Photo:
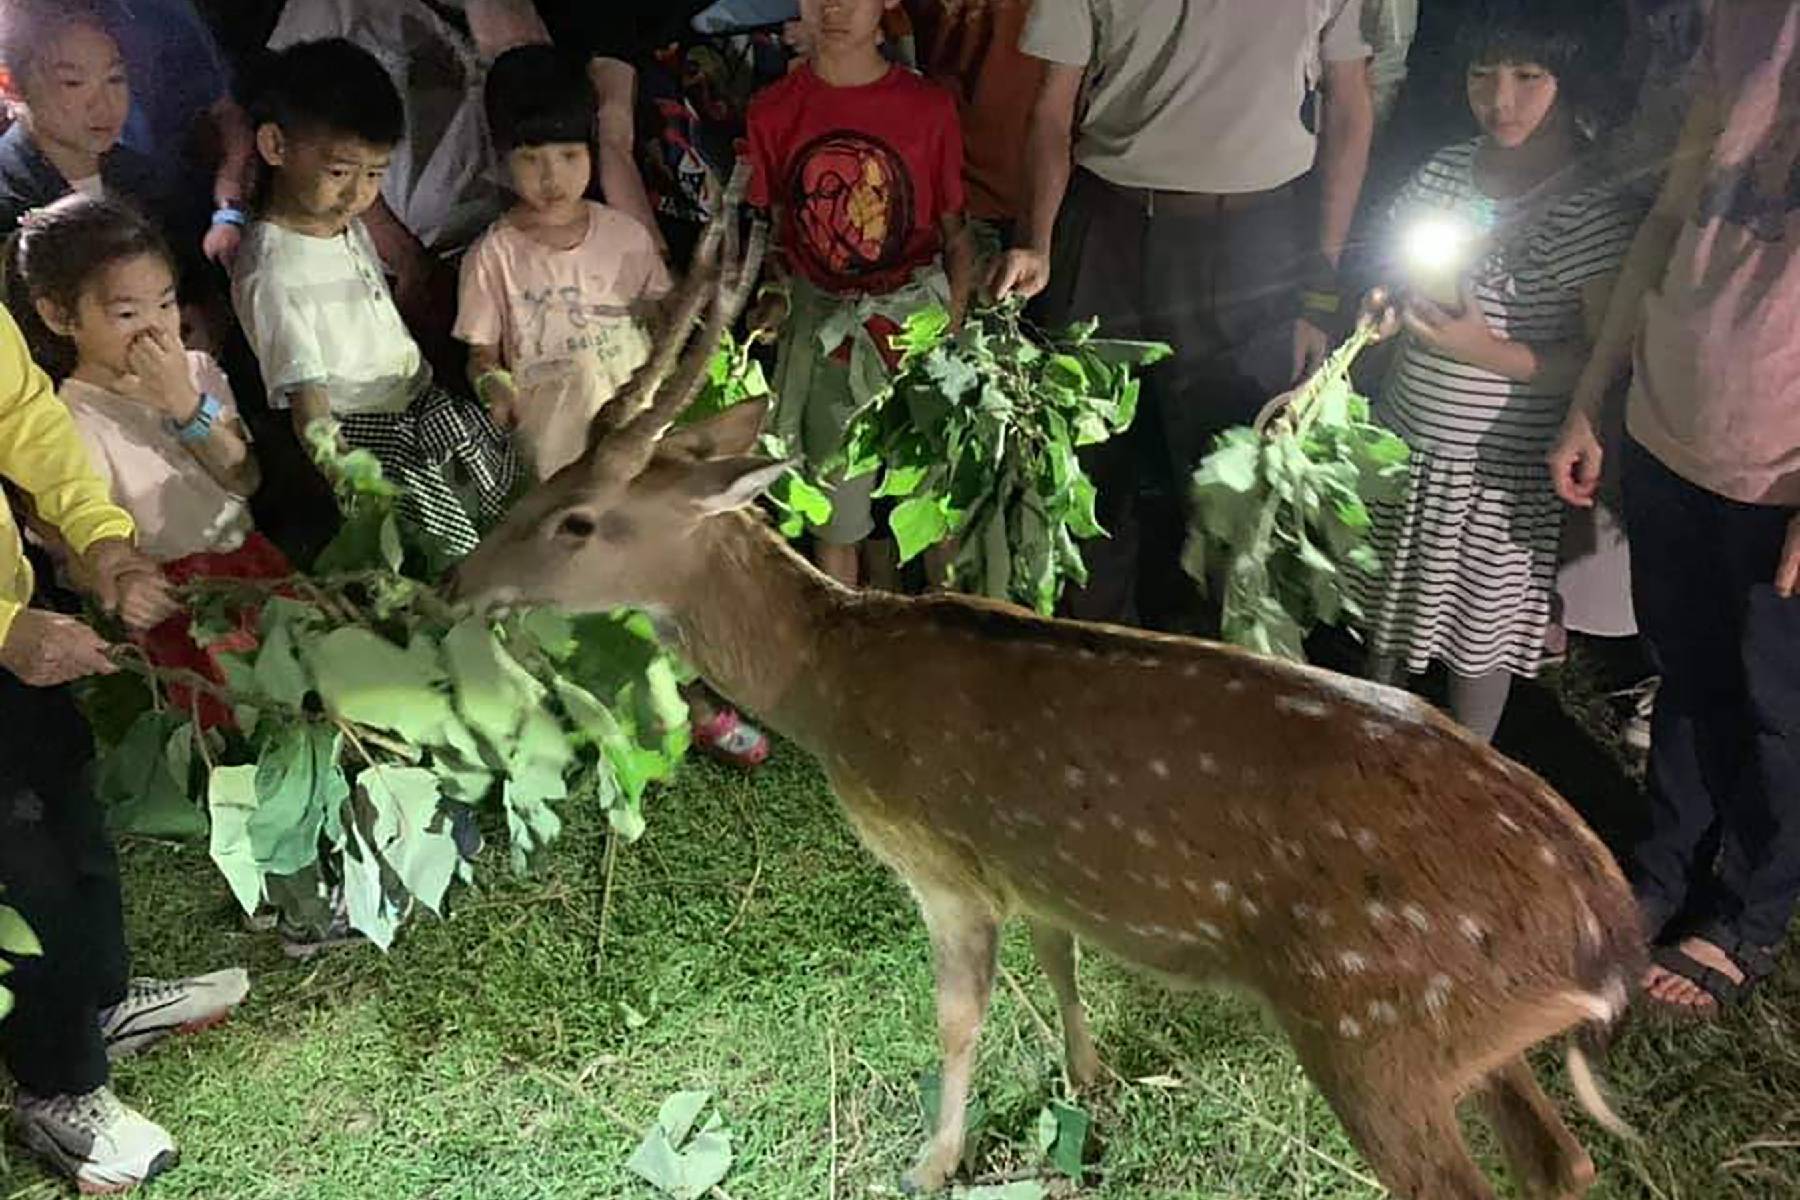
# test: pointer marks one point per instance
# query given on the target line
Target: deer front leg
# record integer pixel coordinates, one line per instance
(1546, 1160)
(1055, 951)
(964, 939)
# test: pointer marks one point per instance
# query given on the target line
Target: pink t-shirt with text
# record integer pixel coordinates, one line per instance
(568, 322)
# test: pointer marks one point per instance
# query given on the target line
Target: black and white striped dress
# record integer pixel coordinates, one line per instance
(1469, 552)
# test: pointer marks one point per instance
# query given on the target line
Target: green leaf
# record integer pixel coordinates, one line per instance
(918, 524)
(139, 789)
(231, 797)
(16, 937)
(387, 540)
(366, 679)
(366, 904)
(901, 481)
(1071, 1126)
(291, 790)
(493, 692)
(278, 672)
(683, 1167)
(410, 833)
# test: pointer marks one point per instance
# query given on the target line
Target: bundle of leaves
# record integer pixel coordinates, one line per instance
(976, 437)
(1280, 512)
(369, 711)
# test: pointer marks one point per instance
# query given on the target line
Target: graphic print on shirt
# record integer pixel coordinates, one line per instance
(560, 323)
(853, 203)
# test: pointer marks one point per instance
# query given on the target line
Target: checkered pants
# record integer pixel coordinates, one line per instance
(423, 448)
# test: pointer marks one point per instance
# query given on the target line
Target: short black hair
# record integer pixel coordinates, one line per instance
(1568, 38)
(29, 27)
(537, 95)
(331, 86)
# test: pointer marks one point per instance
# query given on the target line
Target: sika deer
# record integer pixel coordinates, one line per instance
(1416, 911)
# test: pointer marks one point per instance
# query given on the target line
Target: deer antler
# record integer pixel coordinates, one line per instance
(668, 383)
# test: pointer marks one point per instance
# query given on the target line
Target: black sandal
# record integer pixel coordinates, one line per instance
(1756, 962)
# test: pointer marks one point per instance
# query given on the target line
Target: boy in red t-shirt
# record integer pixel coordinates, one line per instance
(860, 163)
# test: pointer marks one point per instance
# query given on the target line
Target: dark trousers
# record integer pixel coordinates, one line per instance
(1216, 280)
(1723, 845)
(58, 869)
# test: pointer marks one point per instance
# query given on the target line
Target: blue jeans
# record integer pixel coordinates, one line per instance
(1723, 846)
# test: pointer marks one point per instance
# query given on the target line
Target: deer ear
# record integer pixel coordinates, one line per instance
(722, 484)
(732, 432)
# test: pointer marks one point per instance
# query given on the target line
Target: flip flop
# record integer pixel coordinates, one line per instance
(1756, 962)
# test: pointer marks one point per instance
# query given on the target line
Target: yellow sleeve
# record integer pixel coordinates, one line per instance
(41, 453)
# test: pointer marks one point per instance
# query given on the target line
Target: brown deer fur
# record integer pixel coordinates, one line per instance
(1416, 911)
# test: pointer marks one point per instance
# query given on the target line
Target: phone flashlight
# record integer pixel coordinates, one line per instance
(1436, 251)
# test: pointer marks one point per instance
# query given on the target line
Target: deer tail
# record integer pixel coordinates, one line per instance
(1587, 1049)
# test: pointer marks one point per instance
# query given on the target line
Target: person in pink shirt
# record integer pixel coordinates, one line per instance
(1709, 298)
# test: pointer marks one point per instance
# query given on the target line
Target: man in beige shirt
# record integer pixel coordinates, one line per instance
(1172, 209)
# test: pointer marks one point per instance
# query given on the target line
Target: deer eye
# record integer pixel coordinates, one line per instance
(576, 525)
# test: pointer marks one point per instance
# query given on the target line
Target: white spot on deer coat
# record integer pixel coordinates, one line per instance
(1074, 776)
(1209, 930)
(1378, 731)
(1352, 962)
(1234, 686)
(1379, 913)
(1076, 825)
(1335, 828)
(1471, 929)
(1415, 916)
(1366, 841)
(1222, 891)
(1115, 820)
(1209, 765)
(1159, 768)
(1547, 855)
(1350, 1027)
(1437, 994)
(1110, 778)
(1090, 874)
(1193, 885)
(1161, 882)
(1145, 838)
(1248, 907)
(1507, 823)
(1383, 1013)
(1306, 706)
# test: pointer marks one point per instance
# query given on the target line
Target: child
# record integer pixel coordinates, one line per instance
(554, 293)
(95, 284)
(309, 291)
(1469, 553)
(861, 164)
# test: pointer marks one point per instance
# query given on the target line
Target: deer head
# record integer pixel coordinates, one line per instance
(615, 527)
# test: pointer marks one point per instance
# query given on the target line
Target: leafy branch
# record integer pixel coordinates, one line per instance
(368, 711)
(1281, 509)
(977, 439)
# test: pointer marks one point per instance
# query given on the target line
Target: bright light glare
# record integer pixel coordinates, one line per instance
(1437, 244)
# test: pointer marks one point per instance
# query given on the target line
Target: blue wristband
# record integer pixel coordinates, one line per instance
(227, 214)
(200, 426)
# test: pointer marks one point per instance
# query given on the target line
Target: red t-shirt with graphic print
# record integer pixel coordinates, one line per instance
(860, 176)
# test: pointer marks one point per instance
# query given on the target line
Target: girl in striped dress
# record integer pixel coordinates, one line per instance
(1469, 552)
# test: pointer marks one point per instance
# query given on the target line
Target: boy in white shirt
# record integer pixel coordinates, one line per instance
(309, 290)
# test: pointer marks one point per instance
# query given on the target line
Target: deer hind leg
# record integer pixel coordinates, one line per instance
(1404, 1126)
(1055, 951)
(964, 938)
(1546, 1160)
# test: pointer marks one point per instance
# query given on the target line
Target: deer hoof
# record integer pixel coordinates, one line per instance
(932, 1173)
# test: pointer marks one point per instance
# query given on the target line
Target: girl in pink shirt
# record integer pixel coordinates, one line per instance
(93, 284)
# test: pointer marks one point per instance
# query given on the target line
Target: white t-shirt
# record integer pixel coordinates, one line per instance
(179, 508)
(317, 311)
(1196, 95)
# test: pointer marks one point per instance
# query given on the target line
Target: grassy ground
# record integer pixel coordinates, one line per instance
(520, 1049)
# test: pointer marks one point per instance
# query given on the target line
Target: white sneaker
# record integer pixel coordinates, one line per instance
(94, 1140)
(155, 1008)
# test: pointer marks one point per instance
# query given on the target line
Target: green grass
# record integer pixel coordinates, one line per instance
(750, 948)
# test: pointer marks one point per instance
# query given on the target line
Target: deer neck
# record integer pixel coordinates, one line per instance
(750, 619)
